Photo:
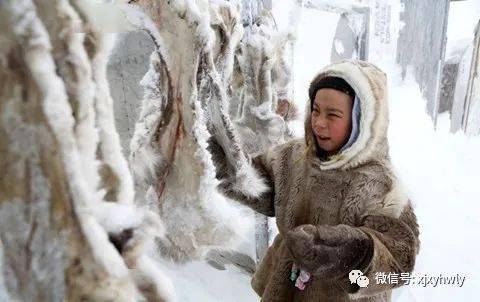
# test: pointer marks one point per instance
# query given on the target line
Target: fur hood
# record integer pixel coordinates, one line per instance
(369, 83)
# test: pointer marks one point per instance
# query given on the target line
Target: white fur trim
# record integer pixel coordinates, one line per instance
(249, 182)
(393, 203)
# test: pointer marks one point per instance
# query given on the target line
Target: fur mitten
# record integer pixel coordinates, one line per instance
(330, 251)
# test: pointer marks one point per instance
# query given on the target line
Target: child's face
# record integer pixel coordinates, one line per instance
(332, 119)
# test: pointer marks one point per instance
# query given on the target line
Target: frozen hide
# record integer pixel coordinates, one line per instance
(186, 86)
(206, 77)
(61, 160)
(260, 98)
(261, 101)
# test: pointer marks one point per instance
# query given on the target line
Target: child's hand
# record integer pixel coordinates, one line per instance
(329, 251)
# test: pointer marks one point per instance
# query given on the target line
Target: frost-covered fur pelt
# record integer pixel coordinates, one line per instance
(185, 102)
(133, 231)
(144, 160)
(113, 162)
(57, 85)
(264, 79)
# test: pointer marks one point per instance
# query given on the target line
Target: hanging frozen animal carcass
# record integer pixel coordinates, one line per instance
(185, 86)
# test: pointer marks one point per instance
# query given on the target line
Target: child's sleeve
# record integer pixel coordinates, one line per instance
(252, 185)
(391, 223)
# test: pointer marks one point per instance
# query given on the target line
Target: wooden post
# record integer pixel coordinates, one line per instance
(471, 112)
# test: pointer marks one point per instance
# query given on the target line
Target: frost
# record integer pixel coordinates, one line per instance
(115, 218)
(4, 296)
(171, 133)
(28, 223)
(111, 152)
(339, 46)
(69, 100)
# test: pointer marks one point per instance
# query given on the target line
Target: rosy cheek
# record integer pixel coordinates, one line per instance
(334, 128)
(338, 130)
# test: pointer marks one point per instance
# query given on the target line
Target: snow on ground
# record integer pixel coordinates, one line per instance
(200, 282)
(440, 172)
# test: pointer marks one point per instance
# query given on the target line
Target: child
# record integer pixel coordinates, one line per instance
(336, 200)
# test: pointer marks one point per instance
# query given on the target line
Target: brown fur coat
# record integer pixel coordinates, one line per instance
(356, 187)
